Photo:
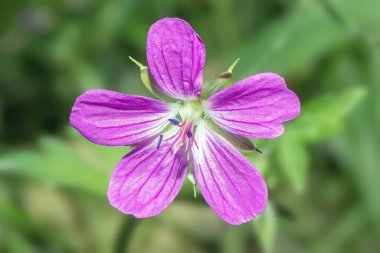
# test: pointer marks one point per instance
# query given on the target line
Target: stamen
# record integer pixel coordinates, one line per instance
(195, 142)
(188, 133)
(159, 141)
(174, 122)
(192, 139)
(182, 134)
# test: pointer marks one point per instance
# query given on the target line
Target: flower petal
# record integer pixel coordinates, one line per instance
(176, 55)
(114, 119)
(255, 107)
(229, 183)
(147, 180)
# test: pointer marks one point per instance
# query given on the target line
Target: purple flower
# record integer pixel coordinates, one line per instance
(178, 139)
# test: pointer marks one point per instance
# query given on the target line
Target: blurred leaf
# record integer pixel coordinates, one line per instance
(294, 160)
(66, 164)
(208, 228)
(15, 219)
(323, 117)
(152, 235)
(357, 150)
(265, 226)
(234, 240)
(319, 119)
(17, 242)
(13, 213)
(294, 42)
(345, 229)
(99, 234)
(291, 42)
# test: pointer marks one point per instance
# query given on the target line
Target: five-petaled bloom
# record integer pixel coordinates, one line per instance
(178, 139)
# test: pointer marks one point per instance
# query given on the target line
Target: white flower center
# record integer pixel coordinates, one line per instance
(191, 111)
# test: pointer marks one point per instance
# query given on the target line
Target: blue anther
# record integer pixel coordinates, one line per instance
(159, 141)
(189, 134)
(174, 122)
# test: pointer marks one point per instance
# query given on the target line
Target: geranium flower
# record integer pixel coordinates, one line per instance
(178, 139)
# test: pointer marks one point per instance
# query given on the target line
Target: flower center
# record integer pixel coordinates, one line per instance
(184, 135)
(191, 113)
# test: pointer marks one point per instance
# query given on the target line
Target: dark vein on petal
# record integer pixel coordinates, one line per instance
(228, 153)
(167, 68)
(221, 166)
(163, 184)
(245, 122)
(181, 162)
(183, 85)
(124, 107)
(231, 164)
(228, 128)
(128, 125)
(162, 80)
(205, 183)
(192, 64)
(159, 127)
(215, 182)
(197, 165)
(150, 175)
(222, 108)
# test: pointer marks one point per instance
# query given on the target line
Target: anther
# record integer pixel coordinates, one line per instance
(159, 141)
(188, 133)
(174, 122)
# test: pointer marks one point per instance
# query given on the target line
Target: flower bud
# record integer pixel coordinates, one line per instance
(223, 80)
(147, 81)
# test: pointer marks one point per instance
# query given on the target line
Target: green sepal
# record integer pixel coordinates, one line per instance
(149, 84)
(239, 142)
(222, 81)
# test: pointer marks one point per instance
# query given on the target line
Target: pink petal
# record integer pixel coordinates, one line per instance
(147, 180)
(255, 107)
(110, 118)
(176, 55)
(229, 183)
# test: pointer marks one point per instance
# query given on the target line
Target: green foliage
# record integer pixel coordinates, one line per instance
(324, 116)
(295, 41)
(320, 119)
(266, 228)
(294, 161)
(76, 163)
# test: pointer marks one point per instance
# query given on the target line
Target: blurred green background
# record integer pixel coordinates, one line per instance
(323, 173)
